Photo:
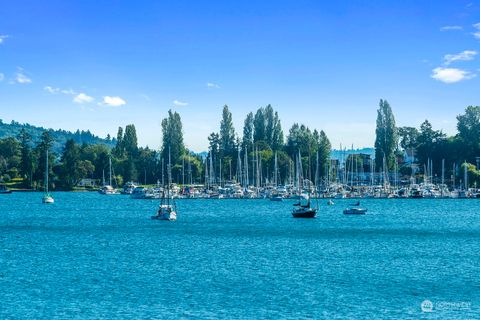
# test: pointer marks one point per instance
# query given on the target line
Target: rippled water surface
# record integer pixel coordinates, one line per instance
(90, 256)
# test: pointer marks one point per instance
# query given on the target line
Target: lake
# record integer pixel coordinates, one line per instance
(90, 256)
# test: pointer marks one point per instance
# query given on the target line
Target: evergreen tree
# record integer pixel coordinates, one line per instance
(27, 157)
(324, 150)
(386, 141)
(119, 149)
(46, 142)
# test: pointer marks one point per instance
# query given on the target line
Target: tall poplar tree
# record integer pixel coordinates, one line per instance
(172, 138)
(386, 141)
(248, 128)
(227, 133)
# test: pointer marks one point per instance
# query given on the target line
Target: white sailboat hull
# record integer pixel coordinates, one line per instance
(170, 216)
(47, 199)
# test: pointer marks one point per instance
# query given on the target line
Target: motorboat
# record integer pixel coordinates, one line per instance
(355, 210)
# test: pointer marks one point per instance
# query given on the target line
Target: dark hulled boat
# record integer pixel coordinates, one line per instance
(304, 211)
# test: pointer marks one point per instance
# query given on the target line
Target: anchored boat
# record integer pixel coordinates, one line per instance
(47, 198)
(355, 210)
(167, 209)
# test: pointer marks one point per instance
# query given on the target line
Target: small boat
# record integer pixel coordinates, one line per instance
(167, 209)
(47, 198)
(330, 202)
(356, 204)
(166, 212)
(304, 211)
(108, 190)
(355, 211)
(4, 189)
(276, 197)
(128, 188)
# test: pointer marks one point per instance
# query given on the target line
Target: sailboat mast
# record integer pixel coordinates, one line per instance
(110, 170)
(46, 172)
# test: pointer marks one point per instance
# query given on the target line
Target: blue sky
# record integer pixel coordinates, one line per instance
(102, 64)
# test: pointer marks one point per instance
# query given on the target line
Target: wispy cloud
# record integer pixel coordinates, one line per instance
(466, 55)
(21, 77)
(145, 96)
(451, 75)
(82, 98)
(113, 101)
(476, 34)
(2, 76)
(213, 85)
(51, 90)
(3, 37)
(451, 28)
(55, 90)
(180, 103)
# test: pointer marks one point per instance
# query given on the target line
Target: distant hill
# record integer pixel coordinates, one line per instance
(59, 136)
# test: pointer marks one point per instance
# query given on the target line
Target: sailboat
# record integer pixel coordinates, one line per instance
(275, 196)
(108, 189)
(47, 198)
(167, 209)
(302, 210)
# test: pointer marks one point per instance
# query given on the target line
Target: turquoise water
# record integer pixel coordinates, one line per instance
(90, 256)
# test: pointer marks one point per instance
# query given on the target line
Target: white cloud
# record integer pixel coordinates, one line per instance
(55, 90)
(451, 75)
(82, 98)
(113, 101)
(69, 91)
(3, 37)
(450, 28)
(466, 55)
(180, 103)
(2, 76)
(213, 85)
(51, 90)
(476, 34)
(21, 78)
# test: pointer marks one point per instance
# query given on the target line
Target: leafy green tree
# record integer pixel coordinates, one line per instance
(429, 142)
(119, 149)
(277, 133)
(324, 150)
(248, 129)
(46, 142)
(408, 137)
(10, 154)
(259, 126)
(172, 138)
(468, 126)
(386, 136)
(130, 143)
(227, 134)
(27, 157)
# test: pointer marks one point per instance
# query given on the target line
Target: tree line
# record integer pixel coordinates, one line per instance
(432, 149)
(23, 159)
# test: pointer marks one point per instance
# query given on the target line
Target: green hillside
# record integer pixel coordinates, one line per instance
(59, 136)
